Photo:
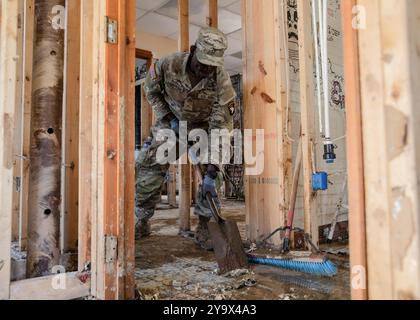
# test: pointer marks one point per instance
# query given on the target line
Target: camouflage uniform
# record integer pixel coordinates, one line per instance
(209, 105)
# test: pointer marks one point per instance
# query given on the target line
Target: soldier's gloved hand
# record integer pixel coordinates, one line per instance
(175, 125)
(209, 182)
(209, 186)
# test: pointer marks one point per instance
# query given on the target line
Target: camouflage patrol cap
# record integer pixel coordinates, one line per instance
(211, 46)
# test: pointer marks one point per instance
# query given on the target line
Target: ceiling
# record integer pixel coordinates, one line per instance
(159, 17)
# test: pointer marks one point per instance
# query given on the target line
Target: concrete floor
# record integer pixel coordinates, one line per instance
(169, 266)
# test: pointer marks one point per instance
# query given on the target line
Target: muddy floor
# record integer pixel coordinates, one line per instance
(169, 266)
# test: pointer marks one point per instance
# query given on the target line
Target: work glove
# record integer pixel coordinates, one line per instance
(209, 186)
(209, 182)
(175, 125)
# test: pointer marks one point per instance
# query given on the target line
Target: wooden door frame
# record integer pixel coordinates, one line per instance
(146, 55)
(106, 136)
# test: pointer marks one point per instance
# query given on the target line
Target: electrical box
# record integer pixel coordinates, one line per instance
(320, 181)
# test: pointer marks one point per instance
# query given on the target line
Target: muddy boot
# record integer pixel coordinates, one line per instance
(142, 229)
(202, 235)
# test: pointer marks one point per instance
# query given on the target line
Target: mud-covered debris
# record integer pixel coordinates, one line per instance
(288, 296)
(246, 283)
(237, 273)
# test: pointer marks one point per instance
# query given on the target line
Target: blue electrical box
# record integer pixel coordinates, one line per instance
(320, 181)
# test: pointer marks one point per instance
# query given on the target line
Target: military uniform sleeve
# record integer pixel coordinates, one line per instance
(222, 114)
(154, 86)
(224, 109)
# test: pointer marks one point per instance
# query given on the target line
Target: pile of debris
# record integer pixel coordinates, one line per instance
(191, 279)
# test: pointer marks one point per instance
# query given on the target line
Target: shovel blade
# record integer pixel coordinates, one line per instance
(227, 244)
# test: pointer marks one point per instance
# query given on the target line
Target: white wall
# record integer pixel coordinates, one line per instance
(159, 46)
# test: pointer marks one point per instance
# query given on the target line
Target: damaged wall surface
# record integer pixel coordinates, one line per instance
(326, 200)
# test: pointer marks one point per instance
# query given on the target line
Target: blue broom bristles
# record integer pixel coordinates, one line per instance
(325, 268)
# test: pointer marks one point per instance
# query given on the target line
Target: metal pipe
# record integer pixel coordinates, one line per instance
(329, 154)
(317, 66)
(324, 44)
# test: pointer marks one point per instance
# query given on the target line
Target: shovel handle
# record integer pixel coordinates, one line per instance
(213, 208)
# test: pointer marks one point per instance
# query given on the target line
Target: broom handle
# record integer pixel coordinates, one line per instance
(295, 185)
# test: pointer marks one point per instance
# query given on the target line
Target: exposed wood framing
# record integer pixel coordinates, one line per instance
(266, 194)
(46, 132)
(194, 187)
(18, 125)
(390, 78)
(185, 169)
(29, 35)
(72, 126)
(127, 261)
(8, 52)
(307, 103)
(146, 55)
(119, 151)
(213, 18)
(108, 140)
(87, 112)
(91, 142)
(357, 224)
(56, 287)
(172, 186)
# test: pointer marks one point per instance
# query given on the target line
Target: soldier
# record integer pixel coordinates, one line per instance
(192, 87)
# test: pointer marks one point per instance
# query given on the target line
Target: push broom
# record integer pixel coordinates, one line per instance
(307, 262)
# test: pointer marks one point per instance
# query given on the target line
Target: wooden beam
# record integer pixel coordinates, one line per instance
(185, 199)
(146, 55)
(357, 224)
(194, 187)
(284, 143)
(46, 136)
(72, 126)
(118, 220)
(264, 106)
(127, 261)
(307, 102)
(18, 125)
(213, 18)
(374, 143)
(8, 52)
(184, 26)
(91, 142)
(185, 169)
(112, 152)
(88, 75)
(56, 287)
(172, 186)
(389, 73)
(29, 47)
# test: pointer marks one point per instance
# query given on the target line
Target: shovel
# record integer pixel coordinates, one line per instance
(226, 239)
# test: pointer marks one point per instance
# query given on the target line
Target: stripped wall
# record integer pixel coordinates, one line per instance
(327, 200)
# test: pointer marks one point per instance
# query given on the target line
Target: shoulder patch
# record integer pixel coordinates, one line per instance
(231, 107)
